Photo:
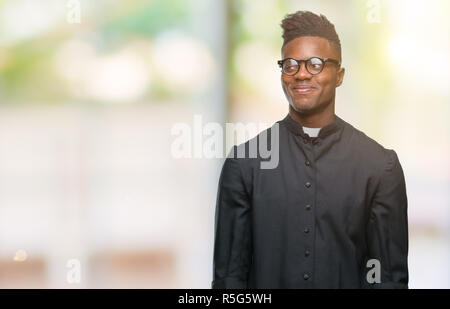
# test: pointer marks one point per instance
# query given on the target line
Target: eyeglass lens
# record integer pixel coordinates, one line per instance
(313, 65)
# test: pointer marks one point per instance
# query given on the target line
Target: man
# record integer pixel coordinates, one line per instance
(333, 212)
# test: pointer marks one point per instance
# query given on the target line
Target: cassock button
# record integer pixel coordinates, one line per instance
(305, 276)
(307, 253)
(305, 141)
(308, 207)
(308, 184)
(307, 163)
(306, 230)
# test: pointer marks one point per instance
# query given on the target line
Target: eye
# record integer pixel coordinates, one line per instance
(315, 63)
(290, 66)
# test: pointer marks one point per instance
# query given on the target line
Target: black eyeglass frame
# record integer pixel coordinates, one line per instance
(299, 62)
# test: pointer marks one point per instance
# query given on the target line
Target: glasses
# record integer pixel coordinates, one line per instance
(314, 65)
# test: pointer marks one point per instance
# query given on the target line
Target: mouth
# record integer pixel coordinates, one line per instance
(303, 89)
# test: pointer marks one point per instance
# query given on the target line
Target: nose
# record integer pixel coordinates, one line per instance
(303, 72)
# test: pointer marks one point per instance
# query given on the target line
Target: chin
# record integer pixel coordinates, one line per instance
(303, 107)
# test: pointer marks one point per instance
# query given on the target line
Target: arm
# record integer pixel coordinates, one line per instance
(232, 245)
(387, 231)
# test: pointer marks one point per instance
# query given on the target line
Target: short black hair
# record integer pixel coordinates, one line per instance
(305, 23)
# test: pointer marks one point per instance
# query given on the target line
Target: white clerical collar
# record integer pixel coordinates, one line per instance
(312, 132)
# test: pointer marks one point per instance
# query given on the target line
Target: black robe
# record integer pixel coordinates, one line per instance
(333, 203)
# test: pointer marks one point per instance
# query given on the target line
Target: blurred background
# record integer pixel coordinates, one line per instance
(91, 90)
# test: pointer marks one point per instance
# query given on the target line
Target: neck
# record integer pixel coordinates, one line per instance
(318, 120)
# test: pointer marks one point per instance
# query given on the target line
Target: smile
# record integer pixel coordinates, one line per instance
(303, 90)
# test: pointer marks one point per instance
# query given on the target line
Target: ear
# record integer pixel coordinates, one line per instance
(340, 77)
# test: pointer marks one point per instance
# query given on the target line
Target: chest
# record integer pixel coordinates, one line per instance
(339, 189)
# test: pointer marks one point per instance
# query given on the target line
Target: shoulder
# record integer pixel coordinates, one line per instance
(371, 152)
(257, 147)
(258, 152)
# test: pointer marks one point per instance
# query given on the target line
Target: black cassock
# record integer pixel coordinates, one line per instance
(332, 204)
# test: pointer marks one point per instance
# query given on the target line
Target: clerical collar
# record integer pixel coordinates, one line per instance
(312, 132)
(296, 128)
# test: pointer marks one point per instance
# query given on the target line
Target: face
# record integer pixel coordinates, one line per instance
(321, 88)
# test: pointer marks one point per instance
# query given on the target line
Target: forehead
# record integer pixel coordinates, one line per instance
(308, 46)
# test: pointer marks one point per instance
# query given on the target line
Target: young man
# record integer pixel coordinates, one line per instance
(333, 212)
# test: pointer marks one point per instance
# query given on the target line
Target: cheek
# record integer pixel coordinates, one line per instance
(284, 83)
(327, 83)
